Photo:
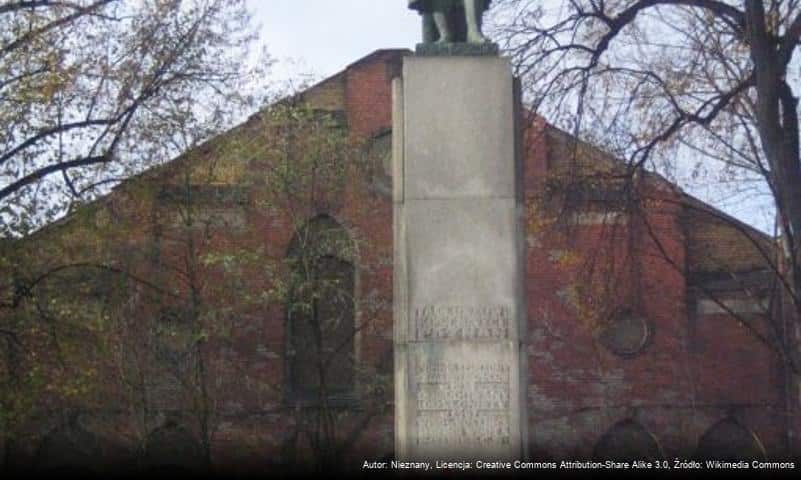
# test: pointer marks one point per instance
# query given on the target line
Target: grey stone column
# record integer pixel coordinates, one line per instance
(459, 306)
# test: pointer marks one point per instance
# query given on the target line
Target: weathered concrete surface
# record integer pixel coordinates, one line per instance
(459, 306)
(458, 133)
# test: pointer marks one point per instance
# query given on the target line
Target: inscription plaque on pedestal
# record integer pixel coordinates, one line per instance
(459, 306)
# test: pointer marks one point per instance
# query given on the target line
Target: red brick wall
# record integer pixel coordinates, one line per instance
(692, 372)
(369, 92)
(578, 389)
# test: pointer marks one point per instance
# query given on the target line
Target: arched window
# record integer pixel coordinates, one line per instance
(730, 440)
(69, 450)
(627, 440)
(172, 448)
(320, 313)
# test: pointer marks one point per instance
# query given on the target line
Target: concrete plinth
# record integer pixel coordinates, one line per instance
(459, 306)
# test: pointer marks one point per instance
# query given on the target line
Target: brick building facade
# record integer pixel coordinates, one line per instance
(644, 318)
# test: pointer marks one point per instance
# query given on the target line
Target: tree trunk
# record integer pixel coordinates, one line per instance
(777, 122)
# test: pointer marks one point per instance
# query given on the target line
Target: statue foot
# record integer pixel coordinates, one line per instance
(477, 38)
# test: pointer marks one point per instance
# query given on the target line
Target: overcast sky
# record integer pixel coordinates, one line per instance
(322, 37)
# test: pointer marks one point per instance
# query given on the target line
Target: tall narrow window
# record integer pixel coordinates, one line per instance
(320, 313)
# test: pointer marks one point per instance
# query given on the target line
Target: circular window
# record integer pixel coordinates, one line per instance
(626, 334)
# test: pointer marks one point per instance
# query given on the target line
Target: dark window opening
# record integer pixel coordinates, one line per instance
(172, 448)
(729, 440)
(321, 315)
(627, 441)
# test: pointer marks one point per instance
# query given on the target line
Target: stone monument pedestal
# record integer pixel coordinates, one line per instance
(459, 261)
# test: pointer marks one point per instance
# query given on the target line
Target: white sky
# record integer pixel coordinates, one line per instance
(321, 37)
